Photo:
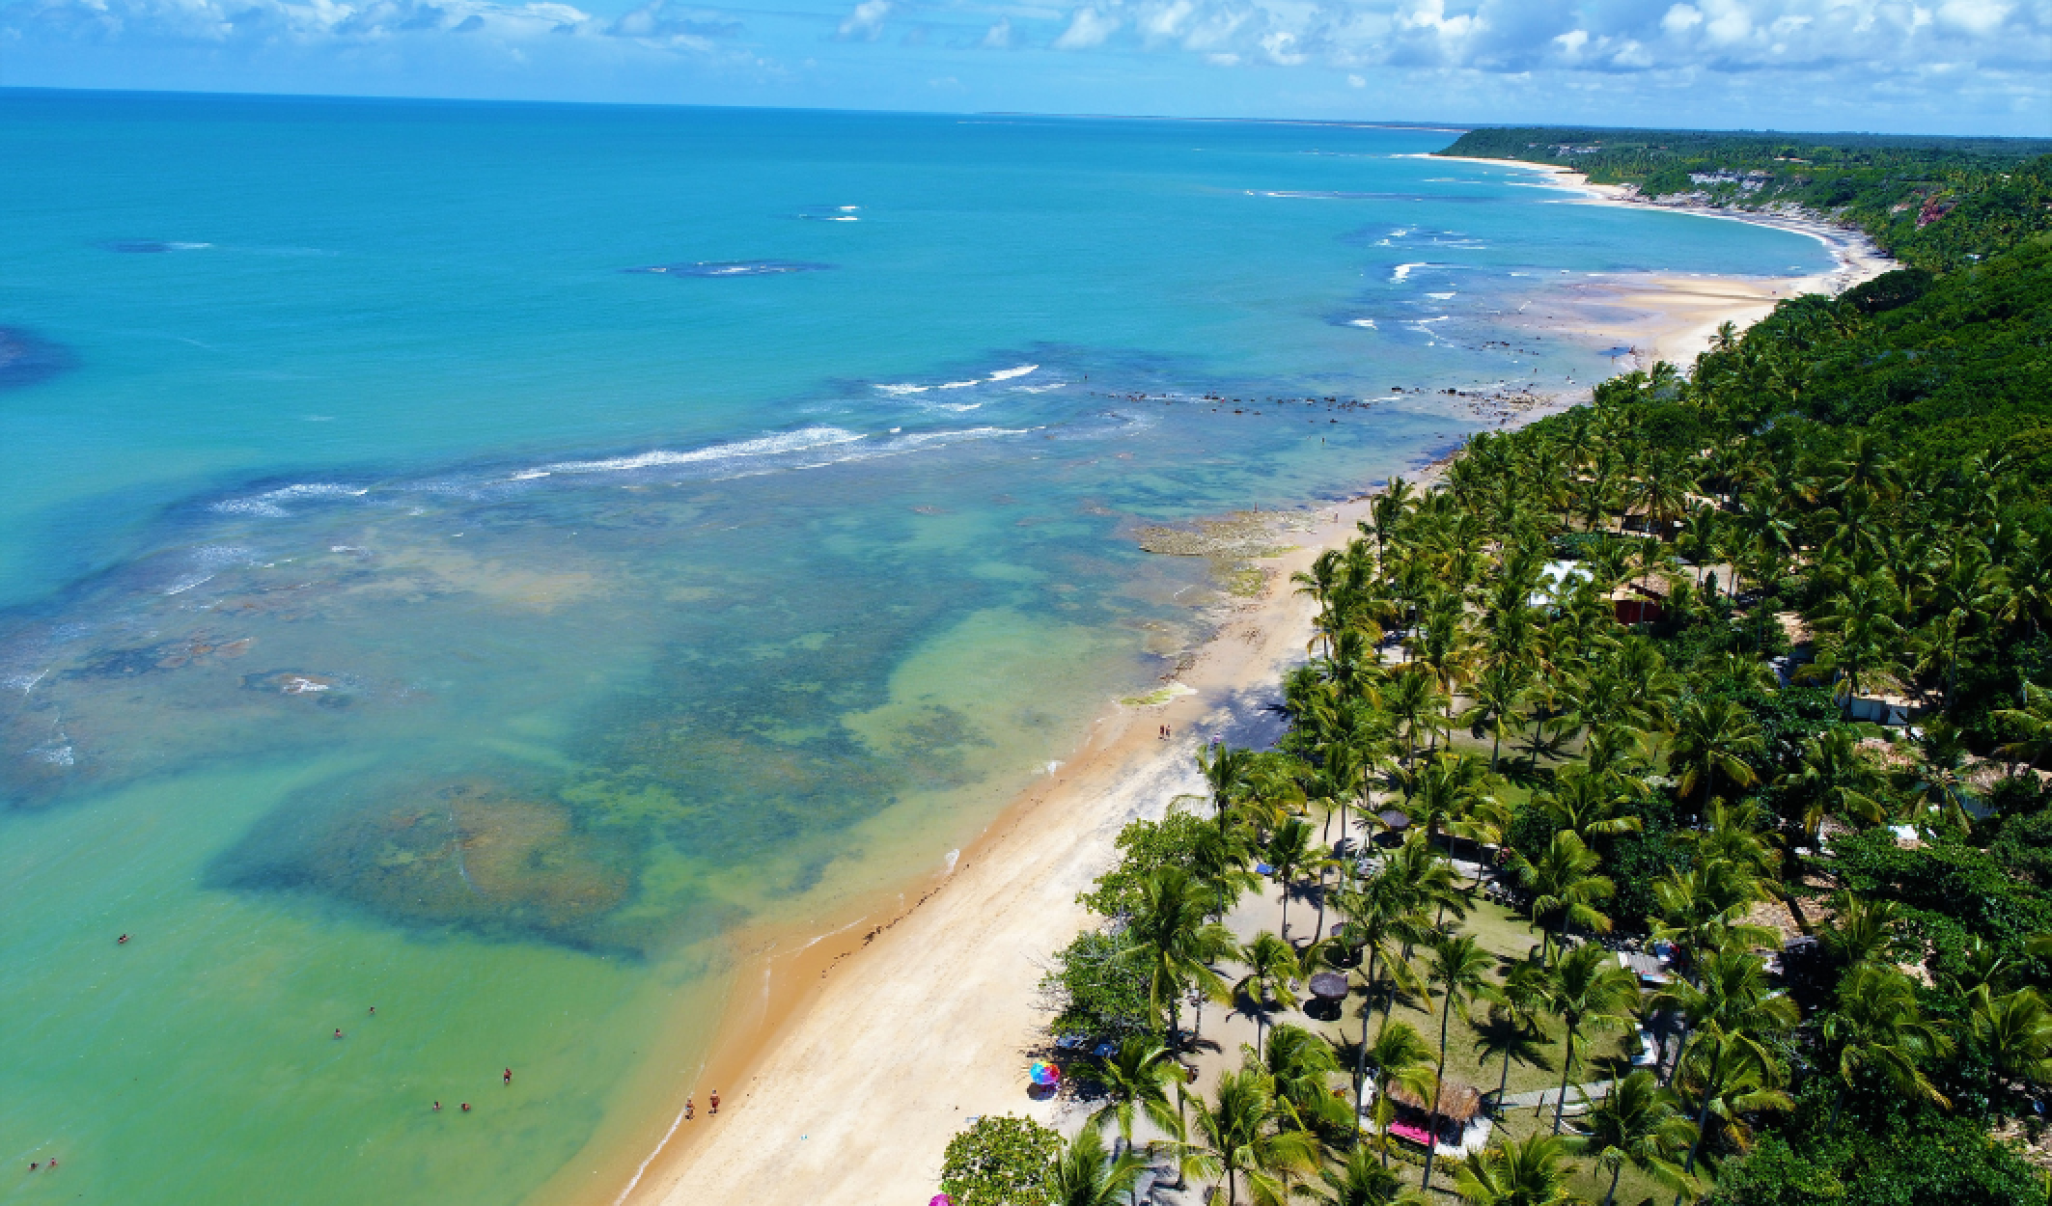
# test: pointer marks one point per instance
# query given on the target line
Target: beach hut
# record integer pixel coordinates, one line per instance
(1458, 1129)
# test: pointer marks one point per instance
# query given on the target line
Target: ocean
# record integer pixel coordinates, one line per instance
(472, 562)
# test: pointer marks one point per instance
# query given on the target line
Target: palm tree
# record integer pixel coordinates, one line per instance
(1858, 638)
(1729, 995)
(1082, 1176)
(1732, 1077)
(1288, 852)
(1272, 968)
(1298, 1064)
(1360, 1181)
(1381, 920)
(1639, 1123)
(1169, 938)
(1226, 771)
(1878, 1027)
(1587, 990)
(1864, 932)
(1495, 697)
(1712, 741)
(1512, 1028)
(1564, 884)
(1399, 1058)
(2015, 1032)
(1586, 805)
(1136, 1080)
(1222, 860)
(1235, 1136)
(1534, 1172)
(1413, 700)
(2033, 721)
(1460, 967)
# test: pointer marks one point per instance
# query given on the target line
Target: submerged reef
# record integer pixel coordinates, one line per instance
(29, 359)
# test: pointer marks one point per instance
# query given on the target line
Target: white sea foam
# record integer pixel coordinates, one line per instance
(270, 503)
(1362, 322)
(1403, 271)
(1008, 374)
(186, 584)
(957, 406)
(787, 441)
(959, 384)
(927, 439)
(1442, 296)
(849, 209)
(904, 389)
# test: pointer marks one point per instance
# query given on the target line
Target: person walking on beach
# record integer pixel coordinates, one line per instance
(715, 1102)
(690, 1108)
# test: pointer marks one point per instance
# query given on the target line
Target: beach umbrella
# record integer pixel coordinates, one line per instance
(1044, 1073)
(941, 1199)
(1394, 819)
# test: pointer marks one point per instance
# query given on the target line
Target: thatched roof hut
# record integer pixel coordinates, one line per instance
(1458, 1103)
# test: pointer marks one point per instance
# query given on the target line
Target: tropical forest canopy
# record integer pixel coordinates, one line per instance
(1746, 667)
(1930, 202)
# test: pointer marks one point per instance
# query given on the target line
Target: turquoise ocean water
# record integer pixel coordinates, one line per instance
(467, 560)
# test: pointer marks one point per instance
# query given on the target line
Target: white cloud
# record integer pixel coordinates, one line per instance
(1771, 61)
(1681, 18)
(1087, 28)
(866, 22)
(1978, 17)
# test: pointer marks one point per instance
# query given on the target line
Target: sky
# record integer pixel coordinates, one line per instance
(1935, 66)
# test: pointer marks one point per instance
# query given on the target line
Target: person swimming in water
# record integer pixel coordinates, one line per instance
(438, 1107)
(121, 941)
(509, 1076)
(466, 1107)
(338, 1032)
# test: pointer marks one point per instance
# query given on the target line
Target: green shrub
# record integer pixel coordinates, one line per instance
(1144, 848)
(1095, 993)
(1000, 1161)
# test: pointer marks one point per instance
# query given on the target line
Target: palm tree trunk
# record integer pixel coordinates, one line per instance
(1681, 1049)
(1432, 1119)
(1615, 1173)
(1566, 1069)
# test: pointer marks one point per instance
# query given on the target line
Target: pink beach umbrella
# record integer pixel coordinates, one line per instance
(1045, 1074)
(941, 1199)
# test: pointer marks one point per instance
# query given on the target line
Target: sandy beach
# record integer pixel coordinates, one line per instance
(1674, 317)
(884, 1040)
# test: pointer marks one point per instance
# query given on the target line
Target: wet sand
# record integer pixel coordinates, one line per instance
(846, 1068)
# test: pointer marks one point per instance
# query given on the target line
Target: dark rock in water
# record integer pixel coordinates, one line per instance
(27, 359)
(732, 268)
(493, 857)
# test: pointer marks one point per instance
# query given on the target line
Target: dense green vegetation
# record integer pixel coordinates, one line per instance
(1933, 203)
(1840, 515)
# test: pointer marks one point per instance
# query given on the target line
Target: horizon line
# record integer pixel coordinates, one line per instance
(1437, 127)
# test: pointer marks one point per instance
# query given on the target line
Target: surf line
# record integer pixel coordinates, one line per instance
(650, 1158)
